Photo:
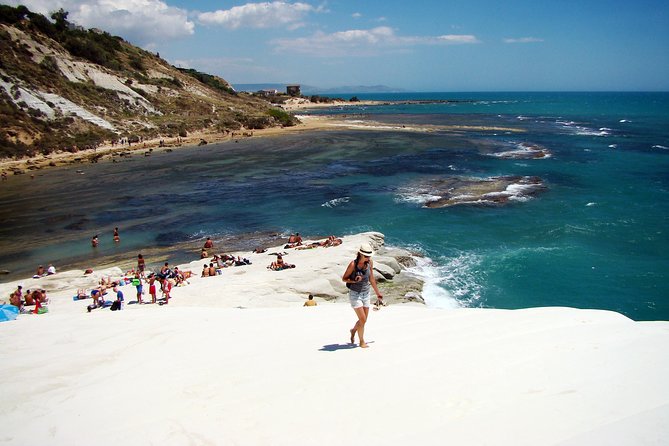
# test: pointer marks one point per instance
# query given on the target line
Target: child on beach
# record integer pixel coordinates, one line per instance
(152, 289)
(167, 287)
(137, 282)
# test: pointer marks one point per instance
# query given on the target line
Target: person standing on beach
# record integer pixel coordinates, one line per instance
(167, 287)
(152, 288)
(141, 265)
(358, 277)
(137, 282)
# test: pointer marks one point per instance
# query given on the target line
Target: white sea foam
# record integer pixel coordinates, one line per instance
(592, 203)
(524, 150)
(415, 195)
(514, 192)
(453, 284)
(336, 202)
(581, 130)
(613, 146)
(657, 146)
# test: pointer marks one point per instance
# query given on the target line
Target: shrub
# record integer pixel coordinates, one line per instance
(284, 118)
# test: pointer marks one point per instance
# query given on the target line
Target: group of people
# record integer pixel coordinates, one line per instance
(41, 272)
(358, 277)
(328, 242)
(36, 297)
(95, 241)
(218, 261)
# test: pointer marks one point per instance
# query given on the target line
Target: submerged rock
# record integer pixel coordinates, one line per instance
(445, 192)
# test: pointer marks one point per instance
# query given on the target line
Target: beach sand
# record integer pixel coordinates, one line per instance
(237, 359)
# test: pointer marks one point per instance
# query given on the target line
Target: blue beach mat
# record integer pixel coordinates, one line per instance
(8, 312)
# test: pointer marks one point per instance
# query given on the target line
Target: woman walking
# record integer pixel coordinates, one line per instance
(358, 277)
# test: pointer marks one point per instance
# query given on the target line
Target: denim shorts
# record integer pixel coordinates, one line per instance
(359, 299)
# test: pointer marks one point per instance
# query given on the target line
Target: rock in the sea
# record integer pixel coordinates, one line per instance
(452, 191)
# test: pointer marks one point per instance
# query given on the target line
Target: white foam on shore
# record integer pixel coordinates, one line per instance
(453, 284)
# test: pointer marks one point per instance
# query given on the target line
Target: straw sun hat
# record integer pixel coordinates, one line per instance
(365, 250)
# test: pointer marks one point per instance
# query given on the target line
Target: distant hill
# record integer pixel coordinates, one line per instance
(310, 89)
(348, 89)
(65, 87)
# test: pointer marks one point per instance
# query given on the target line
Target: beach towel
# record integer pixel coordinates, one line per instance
(8, 312)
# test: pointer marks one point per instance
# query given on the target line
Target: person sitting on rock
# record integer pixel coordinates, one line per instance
(293, 241)
(280, 264)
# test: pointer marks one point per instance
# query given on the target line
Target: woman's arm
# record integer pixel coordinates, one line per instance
(347, 274)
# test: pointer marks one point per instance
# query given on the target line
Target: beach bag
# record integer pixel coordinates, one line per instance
(116, 305)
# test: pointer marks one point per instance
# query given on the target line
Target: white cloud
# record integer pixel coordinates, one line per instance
(524, 40)
(458, 39)
(260, 15)
(359, 42)
(143, 22)
(356, 15)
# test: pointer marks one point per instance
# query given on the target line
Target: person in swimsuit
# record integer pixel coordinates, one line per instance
(116, 236)
(141, 264)
(94, 241)
(359, 276)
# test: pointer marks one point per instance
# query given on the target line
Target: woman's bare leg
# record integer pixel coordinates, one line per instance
(360, 325)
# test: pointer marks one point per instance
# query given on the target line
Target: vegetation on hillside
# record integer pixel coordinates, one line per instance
(160, 100)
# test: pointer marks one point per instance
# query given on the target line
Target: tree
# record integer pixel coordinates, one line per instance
(60, 17)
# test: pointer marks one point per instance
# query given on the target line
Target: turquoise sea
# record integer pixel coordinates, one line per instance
(595, 237)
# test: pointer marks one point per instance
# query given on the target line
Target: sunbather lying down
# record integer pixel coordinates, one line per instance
(279, 264)
(330, 241)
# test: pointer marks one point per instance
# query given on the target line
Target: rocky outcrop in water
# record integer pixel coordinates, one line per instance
(452, 191)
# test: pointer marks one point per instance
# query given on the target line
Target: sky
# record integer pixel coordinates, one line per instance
(421, 45)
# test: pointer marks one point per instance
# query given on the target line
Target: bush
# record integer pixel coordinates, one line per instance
(11, 15)
(282, 117)
(49, 64)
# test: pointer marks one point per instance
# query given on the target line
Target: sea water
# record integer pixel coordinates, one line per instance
(595, 237)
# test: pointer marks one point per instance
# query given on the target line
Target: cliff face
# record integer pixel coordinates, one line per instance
(63, 87)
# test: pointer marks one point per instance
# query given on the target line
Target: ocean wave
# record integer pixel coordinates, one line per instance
(452, 284)
(581, 130)
(657, 146)
(524, 151)
(417, 195)
(336, 202)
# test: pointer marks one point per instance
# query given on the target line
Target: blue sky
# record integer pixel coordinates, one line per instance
(441, 45)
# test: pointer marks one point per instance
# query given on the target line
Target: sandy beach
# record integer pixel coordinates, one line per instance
(237, 359)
